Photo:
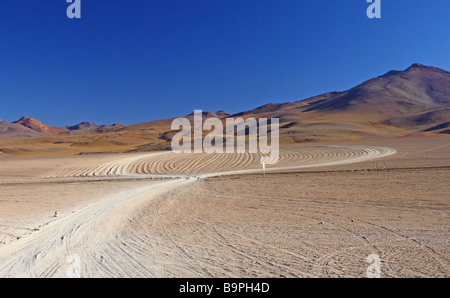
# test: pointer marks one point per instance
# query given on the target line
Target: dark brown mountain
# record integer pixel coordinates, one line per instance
(415, 99)
(111, 127)
(83, 126)
(222, 114)
(90, 127)
(416, 90)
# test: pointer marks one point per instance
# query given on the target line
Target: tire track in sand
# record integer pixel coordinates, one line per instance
(88, 232)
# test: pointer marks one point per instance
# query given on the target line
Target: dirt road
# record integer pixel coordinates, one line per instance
(92, 233)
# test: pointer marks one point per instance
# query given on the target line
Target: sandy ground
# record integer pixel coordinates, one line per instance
(303, 225)
(27, 207)
(319, 212)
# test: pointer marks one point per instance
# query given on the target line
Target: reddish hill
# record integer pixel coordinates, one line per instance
(11, 130)
(38, 126)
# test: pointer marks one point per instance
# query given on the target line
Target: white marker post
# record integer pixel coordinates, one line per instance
(264, 168)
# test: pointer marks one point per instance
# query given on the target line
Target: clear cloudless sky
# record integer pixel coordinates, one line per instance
(139, 60)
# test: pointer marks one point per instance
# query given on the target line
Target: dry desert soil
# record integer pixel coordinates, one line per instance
(319, 212)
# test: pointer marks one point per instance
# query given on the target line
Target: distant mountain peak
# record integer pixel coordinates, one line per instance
(419, 66)
(13, 130)
(222, 113)
(84, 126)
(25, 120)
(204, 114)
(38, 126)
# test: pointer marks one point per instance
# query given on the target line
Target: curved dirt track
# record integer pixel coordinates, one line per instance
(168, 163)
(44, 253)
(92, 232)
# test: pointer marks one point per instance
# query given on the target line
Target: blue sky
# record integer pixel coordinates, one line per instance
(139, 60)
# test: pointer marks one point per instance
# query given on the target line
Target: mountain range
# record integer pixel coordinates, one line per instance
(29, 127)
(398, 103)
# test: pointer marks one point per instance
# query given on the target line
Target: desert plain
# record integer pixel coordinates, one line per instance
(319, 212)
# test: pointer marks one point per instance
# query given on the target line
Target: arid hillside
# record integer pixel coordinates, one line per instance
(397, 104)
